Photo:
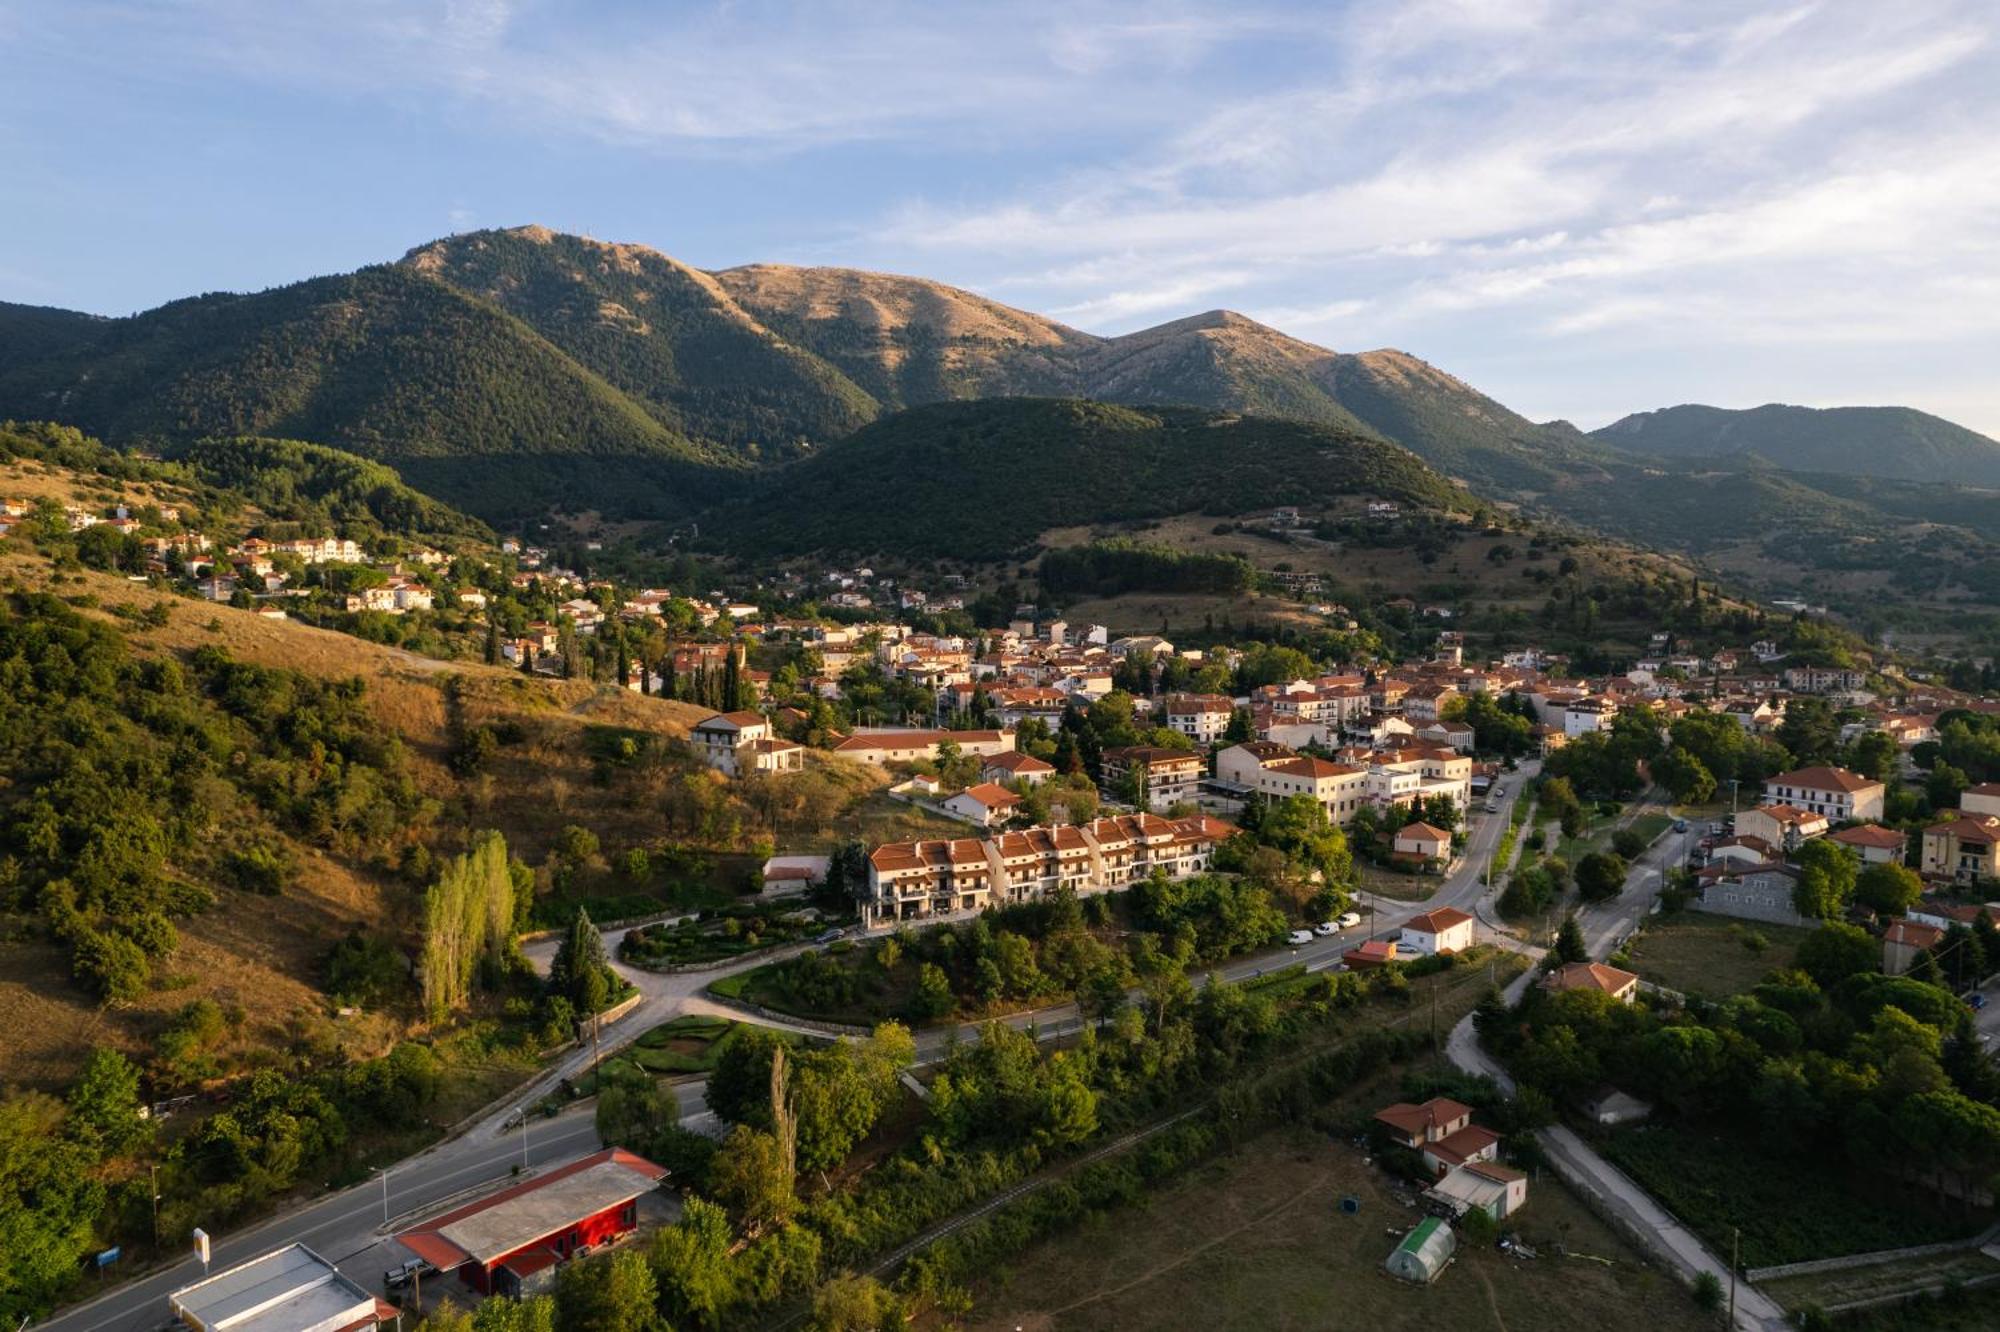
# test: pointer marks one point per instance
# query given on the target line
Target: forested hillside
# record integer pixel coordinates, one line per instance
(981, 480)
(387, 363)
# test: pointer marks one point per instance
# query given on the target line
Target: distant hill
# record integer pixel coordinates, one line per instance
(981, 480)
(1895, 442)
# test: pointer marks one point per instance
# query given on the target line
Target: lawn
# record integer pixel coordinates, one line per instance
(1789, 1211)
(1711, 955)
(1257, 1240)
(683, 1046)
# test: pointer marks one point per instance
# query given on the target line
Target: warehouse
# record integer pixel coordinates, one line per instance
(510, 1240)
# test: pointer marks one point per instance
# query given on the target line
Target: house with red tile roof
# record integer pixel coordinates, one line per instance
(1445, 930)
(1620, 985)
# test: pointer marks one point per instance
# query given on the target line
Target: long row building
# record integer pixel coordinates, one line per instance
(910, 881)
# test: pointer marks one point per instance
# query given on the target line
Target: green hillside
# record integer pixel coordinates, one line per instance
(39, 330)
(1894, 442)
(386, 363)
(981, 480)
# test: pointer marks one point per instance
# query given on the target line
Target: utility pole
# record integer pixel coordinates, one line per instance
(155, 1168)
(385, 1195)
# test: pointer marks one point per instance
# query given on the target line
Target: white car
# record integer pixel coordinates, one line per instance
(1327, 927)
(1348, 919)
(1299, 937)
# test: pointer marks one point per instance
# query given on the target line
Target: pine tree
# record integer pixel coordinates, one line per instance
(1569, 943)
(580, 969)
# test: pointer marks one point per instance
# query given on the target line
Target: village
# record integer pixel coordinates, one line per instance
(1438, 767)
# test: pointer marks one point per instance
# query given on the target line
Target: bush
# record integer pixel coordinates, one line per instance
(1628, 842)
(1708, 1291)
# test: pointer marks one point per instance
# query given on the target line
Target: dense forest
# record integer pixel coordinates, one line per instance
(981, 480)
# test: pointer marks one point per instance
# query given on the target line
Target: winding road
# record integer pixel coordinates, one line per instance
(351, 1227)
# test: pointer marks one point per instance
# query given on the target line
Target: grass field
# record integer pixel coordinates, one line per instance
(1712, 956)
(1256, 1241)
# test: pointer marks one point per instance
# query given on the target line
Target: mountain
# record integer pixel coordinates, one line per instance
(1895, 442)
(982, 480)
(501, 368)
(670, 338)
(470, 403)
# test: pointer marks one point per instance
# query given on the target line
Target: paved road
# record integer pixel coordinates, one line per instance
(1607, 1187)
(348, 1227)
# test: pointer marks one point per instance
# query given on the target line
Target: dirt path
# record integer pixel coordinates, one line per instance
(1492, 1297)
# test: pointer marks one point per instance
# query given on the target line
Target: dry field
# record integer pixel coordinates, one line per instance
(1257, 1241)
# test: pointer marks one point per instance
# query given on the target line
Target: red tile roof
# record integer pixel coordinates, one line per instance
(1438, 921)
(1824, 778)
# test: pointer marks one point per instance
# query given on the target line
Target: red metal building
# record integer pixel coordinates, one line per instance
(506, 1238)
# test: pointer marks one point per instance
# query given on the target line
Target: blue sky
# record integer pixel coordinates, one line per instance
(1582, 208)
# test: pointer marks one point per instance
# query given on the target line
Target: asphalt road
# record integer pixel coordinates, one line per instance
(348, 1228)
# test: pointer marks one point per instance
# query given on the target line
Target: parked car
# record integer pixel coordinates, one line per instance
(827, 936)
(1297, 937)
(1327, 927)
(1349, 919)
(1977, 1000)
(405, 1272)
(1680, 825)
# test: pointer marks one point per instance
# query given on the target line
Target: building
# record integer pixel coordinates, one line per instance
(1370, 955)
(1418, 1126)
(1903, 940)
(1445, 930)
(718, 739)
(1422, 843)
(1497, 1190)
(500, 1243)
(1981, 799)
(1423, 1253)
(1960, 848)
(1202, 718)
(1276, 773)
(910, 881)
(291, 1289)
(1620, 985)
(986, 804)
(1872, 842)
(1842, 796)
(1786, 827)
(1015, 766)
(1749, 892)
(884, 747)
(1165, 777)
(794, 874)
(1473, 1143)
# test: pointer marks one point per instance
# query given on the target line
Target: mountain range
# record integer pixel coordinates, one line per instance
(527, 344)
(520, 371)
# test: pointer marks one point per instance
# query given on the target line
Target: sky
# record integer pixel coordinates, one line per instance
(1583, 209)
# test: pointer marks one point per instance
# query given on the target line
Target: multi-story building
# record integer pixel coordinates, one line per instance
(1166, 777)
(915, 880)
(734, 743)
(1843, 796)
(1961, 848)
(1202, 718)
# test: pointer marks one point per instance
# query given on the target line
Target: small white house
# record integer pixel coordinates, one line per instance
(985, 804)
(1445, 930)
